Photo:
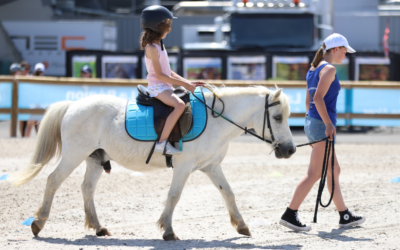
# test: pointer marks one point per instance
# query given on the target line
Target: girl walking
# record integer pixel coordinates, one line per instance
(156, 21)
(322, 91)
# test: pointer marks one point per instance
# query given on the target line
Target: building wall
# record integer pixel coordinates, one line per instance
(25, 10)
(21, 10)
(129, 31)
(7, 53)
(358, 21)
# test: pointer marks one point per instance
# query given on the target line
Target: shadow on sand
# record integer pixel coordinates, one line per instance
(336, 234)
(158, 244)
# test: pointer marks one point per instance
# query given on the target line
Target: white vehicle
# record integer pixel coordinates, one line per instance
(47, 41)
(278, 24)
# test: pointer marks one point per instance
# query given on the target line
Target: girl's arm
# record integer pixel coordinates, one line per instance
(152, 53)
(176, 76)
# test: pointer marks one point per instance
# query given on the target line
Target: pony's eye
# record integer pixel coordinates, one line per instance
(278, 117)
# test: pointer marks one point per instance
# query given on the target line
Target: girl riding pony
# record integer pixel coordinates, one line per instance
(156, 21)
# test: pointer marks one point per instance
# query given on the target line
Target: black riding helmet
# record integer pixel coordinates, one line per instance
(153, 15)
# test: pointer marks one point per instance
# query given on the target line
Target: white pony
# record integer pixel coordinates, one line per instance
(72, 131)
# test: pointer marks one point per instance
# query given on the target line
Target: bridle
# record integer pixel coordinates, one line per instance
(266, 114)
(266, 118)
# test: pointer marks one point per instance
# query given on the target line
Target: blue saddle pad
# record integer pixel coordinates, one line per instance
(140, 125)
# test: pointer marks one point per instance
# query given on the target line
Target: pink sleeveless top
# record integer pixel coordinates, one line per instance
(165, 67)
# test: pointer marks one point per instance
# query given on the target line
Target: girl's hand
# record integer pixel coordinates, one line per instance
(190, 87)
(330, 131)
(201, 84)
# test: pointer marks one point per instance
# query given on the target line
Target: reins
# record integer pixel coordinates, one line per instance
(329, 146)
(266, 116)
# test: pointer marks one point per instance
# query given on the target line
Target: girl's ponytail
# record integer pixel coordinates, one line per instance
(318, 56)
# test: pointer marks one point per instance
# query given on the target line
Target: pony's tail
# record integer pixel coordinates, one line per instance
(48, 143)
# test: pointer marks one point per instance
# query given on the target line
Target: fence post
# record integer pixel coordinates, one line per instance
(14, 108)
(348, 105)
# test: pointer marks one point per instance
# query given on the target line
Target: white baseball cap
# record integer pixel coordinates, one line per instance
(16, 67)
(40, 67)
(337, 40)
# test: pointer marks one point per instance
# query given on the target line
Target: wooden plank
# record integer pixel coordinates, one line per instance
(292, 115)
(32, 111)
(82, 81)
(6, 78)
(370, 85)
(230, 83)
(297, 115)
(240, 83)
(24, 111)
(14, 109)
(375, 116)
(5, 111)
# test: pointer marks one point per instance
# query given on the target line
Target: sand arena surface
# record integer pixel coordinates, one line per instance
(129, 206)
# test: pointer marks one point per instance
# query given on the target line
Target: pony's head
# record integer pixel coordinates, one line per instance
(278, 115)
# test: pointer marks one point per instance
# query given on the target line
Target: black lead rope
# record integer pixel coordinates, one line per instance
(329, 146)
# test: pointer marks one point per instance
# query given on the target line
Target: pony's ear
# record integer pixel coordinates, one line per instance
(277, 94)
(276, 87)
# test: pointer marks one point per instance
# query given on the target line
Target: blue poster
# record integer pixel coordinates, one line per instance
(5, 99)
(5, 95)
(357, 100)
(376, 101)
(300, 121)
(297, 100)
(36, 96)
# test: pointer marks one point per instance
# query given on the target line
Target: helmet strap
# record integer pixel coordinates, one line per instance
(162, 44)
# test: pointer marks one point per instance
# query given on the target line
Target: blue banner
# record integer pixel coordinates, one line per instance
(376, 101)
(297, 100)
(33, 96)
(356, 100)
(300, 121)
(5, 95)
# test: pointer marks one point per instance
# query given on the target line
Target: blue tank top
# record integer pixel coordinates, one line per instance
(330, 97)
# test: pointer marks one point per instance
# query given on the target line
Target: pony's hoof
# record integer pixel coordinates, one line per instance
(35, 228)
(244, 231)
(170, 237)
(103, 232)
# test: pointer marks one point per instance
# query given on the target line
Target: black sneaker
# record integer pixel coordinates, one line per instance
(348, 219)
(291, 220)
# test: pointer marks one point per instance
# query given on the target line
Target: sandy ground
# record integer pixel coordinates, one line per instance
(129, 206)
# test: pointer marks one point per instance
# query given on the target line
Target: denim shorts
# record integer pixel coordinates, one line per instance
(315, 129)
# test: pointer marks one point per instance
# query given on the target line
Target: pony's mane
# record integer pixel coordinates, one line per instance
(252, 90)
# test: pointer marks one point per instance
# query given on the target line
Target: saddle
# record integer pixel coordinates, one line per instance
(161, 113)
